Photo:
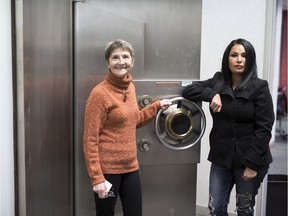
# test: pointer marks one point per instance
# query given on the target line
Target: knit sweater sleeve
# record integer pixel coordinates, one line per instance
(148, 113)
(95, 116)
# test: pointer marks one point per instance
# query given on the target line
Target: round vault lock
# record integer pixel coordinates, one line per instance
(178, 124)
(182, 125)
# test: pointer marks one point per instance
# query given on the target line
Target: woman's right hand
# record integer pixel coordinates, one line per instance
(165, 103)
(101, 190)
(216, 103)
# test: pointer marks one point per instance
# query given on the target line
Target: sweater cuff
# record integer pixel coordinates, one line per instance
(99, 180)
(158, 104)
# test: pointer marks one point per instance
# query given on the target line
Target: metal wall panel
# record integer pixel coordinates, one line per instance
(166, 36)
(47, 108)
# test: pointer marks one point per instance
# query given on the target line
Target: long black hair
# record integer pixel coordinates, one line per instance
(250, 71)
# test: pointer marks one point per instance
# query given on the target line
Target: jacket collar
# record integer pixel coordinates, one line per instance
(242, 93)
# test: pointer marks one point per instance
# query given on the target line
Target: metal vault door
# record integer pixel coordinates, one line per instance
(166, 37)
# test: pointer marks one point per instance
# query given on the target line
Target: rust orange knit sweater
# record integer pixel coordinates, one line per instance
(111, 118)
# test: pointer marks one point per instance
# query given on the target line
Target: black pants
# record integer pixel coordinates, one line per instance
(128, 187)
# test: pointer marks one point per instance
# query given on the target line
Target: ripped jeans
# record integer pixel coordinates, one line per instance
(221, 183)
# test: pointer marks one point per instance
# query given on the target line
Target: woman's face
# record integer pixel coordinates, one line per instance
(120, 62)
(237, 59)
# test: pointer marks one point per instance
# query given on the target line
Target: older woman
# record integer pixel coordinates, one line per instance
(111, 118)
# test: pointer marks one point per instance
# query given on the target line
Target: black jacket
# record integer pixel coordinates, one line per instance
(241, 132)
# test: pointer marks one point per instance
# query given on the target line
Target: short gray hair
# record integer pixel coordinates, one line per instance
(119, 43)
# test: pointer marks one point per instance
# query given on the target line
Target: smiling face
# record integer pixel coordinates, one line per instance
(237, 59)
(120, 62)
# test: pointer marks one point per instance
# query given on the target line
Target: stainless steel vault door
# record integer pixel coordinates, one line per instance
(166, 37)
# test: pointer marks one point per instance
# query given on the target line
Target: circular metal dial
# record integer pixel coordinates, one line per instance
(182, 125)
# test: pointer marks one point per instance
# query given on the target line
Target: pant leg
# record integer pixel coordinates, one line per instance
(130, 194)
(246, 191)
(220, 186)
(106, 206)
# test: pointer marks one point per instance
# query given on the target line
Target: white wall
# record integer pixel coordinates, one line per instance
(6, 113)
(223, 21)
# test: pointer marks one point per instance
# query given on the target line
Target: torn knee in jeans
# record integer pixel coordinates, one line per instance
(244, 202)
(210, 206)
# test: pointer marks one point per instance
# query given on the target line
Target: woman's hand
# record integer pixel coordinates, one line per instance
(101, 190)
(248, 174)
(216, 103)
(165, 103)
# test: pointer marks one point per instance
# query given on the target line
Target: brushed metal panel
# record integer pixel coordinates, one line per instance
(172, 33)
(158, 90)
(166, 36)
(169, 190)
(48, 107)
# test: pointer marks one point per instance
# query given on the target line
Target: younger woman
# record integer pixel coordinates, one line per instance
(243, 116)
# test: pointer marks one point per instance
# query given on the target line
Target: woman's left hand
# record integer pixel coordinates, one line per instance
(165, 103)
(249, 174)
